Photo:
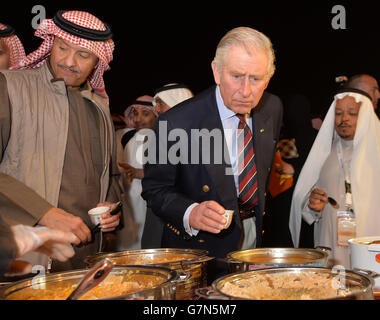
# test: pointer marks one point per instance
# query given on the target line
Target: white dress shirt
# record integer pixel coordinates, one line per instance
(230, 124)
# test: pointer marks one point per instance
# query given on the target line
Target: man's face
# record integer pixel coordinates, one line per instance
(372, 88)
(346, 117)
(4, 56)
(144, 118)
(161, 106)
(243, 78)
(71, 62)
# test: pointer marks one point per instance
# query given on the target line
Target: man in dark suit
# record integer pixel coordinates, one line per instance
(201, 177)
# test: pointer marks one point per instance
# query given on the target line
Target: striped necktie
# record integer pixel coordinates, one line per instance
(248, 197)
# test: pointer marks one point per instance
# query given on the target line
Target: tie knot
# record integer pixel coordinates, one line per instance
(241, 117)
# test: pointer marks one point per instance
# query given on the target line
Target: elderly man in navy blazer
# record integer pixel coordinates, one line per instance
(214, 152)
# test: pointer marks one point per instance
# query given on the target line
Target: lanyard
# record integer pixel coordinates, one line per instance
(347, 180)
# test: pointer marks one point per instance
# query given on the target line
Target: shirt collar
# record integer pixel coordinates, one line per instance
(224, 112)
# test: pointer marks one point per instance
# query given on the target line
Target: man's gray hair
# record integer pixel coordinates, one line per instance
(244, 36)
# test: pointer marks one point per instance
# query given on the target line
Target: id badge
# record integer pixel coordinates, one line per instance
(346, 227)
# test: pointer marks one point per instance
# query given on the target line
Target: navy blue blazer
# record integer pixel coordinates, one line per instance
(170, 189)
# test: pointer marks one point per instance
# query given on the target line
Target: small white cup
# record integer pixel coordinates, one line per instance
(228, 214)
(96, 214)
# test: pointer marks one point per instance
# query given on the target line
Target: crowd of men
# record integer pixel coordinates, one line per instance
(61, 156)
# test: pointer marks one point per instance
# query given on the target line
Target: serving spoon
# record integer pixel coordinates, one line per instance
(92, 278)
(330, 200)
(333, 203)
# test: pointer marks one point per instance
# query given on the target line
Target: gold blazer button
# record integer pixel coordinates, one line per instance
(206, 188)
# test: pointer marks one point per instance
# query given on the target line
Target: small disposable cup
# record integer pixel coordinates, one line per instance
(228, 214)
(96, 214)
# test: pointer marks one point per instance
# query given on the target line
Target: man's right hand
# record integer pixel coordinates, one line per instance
(317, 200)
(207, 216)
(59, 219)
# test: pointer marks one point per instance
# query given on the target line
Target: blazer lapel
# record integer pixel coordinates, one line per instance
(262, 135)
(263, 141)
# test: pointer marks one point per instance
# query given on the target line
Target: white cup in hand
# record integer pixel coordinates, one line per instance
(96, 214)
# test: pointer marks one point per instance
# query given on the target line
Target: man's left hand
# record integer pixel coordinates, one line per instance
(108, 222)
(132, 172)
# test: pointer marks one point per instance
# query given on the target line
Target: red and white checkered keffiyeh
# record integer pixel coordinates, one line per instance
(16, 49)
(47, 30)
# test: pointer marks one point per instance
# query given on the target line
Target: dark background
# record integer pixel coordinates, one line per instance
(163, 42)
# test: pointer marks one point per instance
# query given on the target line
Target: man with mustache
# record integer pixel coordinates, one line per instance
(192, 196)
(343, 165)
(56, 134)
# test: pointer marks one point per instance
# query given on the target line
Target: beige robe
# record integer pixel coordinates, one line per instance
(80, 187)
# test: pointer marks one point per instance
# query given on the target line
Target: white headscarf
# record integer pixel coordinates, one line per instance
(173, 94)
(365, 169)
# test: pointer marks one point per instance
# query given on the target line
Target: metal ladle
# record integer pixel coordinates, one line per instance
(92, 278)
